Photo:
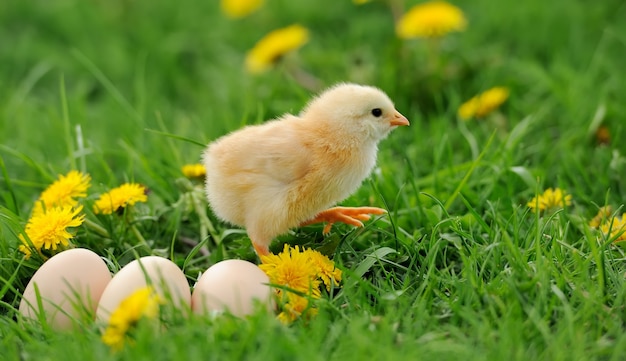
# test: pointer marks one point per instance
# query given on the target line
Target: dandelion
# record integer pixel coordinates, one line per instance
(326, 270)
(292, 269)
(274, 45)
(484, 103)
(49, 230)
(118, 198)
(615, 228)
(194, 170)
(551, 198)
(240, 8)
(295, 307)
(143, 303)
(604, 214)
(431, 19)
(360, 2)
(63, 192)
(301, 273)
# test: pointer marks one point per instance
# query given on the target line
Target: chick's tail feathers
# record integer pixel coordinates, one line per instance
(348, 215)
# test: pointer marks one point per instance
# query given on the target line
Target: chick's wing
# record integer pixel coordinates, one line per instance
(272, 153)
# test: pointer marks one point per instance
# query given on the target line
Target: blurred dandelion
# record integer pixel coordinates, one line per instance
(484, 103)
(612, 227)
(118, 198)
(143, 303)
(272, 47)
(604, 214)
(48, 230)
(236, 9)
(194, 171)
(302, 273)
(431, 19)
(63, 192)
(615, 228)
(550, 199)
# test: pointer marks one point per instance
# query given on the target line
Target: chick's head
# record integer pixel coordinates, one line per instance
(355, 110)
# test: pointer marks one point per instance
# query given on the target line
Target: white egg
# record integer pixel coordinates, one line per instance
(168, 281)
(68, 286)
(233, 285)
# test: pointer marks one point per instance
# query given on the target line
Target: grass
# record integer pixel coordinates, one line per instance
(459, 269)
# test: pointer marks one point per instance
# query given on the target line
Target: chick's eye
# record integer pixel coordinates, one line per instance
(377, 112)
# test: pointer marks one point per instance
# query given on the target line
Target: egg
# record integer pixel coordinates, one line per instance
(68, 286)
(234, 286)
(168, 281)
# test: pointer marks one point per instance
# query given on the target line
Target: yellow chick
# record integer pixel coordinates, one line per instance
(287, 172)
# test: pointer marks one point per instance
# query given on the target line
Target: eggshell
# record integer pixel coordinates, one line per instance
(233, 285)
(164, 275)
(69, 284)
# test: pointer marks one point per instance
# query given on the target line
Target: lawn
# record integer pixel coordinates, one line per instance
(465, 266)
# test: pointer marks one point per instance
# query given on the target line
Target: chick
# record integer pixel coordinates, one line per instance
(287, 172)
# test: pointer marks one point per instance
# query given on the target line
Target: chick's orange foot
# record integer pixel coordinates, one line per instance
(348, 215)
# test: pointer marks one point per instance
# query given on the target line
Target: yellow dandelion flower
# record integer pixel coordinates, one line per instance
(49, 230)
(274, 45)
(293, 269)
(484, 103)
(143, 303)
(194, 170)
(326, 270)
(303, 272)
(551, 198)
(604, 214)
(361, 2)
(615, 228)
(117, 198)
(63, 191)
(295, 306)
(240, 8)
(431, 19)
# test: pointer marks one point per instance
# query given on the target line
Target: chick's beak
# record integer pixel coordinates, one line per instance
(398, 119)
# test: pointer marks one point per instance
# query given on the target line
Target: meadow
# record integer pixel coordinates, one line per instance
(467, 264)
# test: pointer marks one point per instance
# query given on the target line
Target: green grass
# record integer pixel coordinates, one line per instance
(459, 269)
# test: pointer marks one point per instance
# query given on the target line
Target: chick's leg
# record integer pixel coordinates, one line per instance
(260, 241)
(347, 215)
(261, 250)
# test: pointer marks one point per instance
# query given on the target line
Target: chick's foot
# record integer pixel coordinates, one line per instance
(347, 215)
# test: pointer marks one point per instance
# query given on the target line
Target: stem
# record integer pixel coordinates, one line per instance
(139, 236)
(96, 228)
(205, 222)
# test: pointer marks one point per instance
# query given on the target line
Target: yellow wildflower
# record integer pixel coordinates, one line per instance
(604, 214)
(117, 198)
(240, 8)
(194, 170)
(360, 2)
(292, 269)
(551, 198)
(63, 191)
(303, 272)
(326, 270)
(274, 45)
(484, 103)
(431, 19)
(143, 303)
(615, 228)
(49, 230)
(295, 307)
